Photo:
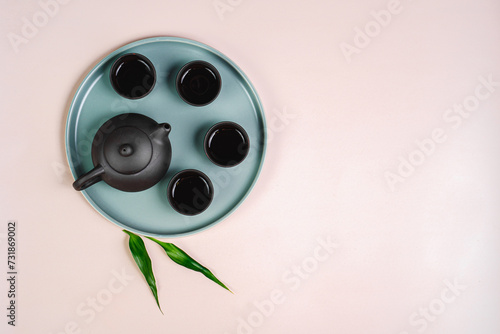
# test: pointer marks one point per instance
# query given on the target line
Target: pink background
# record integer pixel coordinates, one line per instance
(397, 250)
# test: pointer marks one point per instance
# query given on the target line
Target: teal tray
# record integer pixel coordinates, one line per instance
(148, 212)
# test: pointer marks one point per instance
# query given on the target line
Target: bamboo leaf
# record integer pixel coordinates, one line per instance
(143, 261)
(182, 258)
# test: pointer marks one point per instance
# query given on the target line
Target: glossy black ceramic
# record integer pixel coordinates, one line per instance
(198, 83)
(190, 192)
(133, 76)
(226, 144)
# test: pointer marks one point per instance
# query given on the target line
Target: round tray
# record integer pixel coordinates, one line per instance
(149, 212)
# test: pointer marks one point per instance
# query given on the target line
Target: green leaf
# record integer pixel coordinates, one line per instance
(180, 257)
(141, 257)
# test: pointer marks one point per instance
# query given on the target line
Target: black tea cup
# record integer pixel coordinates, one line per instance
(198, 83)
(133, 76)
(190, 192)
(226, 144)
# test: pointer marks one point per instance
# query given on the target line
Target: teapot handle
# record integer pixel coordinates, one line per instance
(89, 178)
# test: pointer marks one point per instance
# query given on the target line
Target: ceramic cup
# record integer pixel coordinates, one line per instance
(133, 76)
(190, 192)
(198, 83)
(226, 144)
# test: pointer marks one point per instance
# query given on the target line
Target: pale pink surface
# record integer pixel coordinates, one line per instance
(323, 175)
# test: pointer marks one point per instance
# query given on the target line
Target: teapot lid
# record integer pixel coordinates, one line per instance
(128, 150)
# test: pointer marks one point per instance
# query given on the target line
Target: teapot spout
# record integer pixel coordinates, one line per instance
(161, 131)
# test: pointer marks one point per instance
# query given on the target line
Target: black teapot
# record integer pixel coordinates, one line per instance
(131, 152)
